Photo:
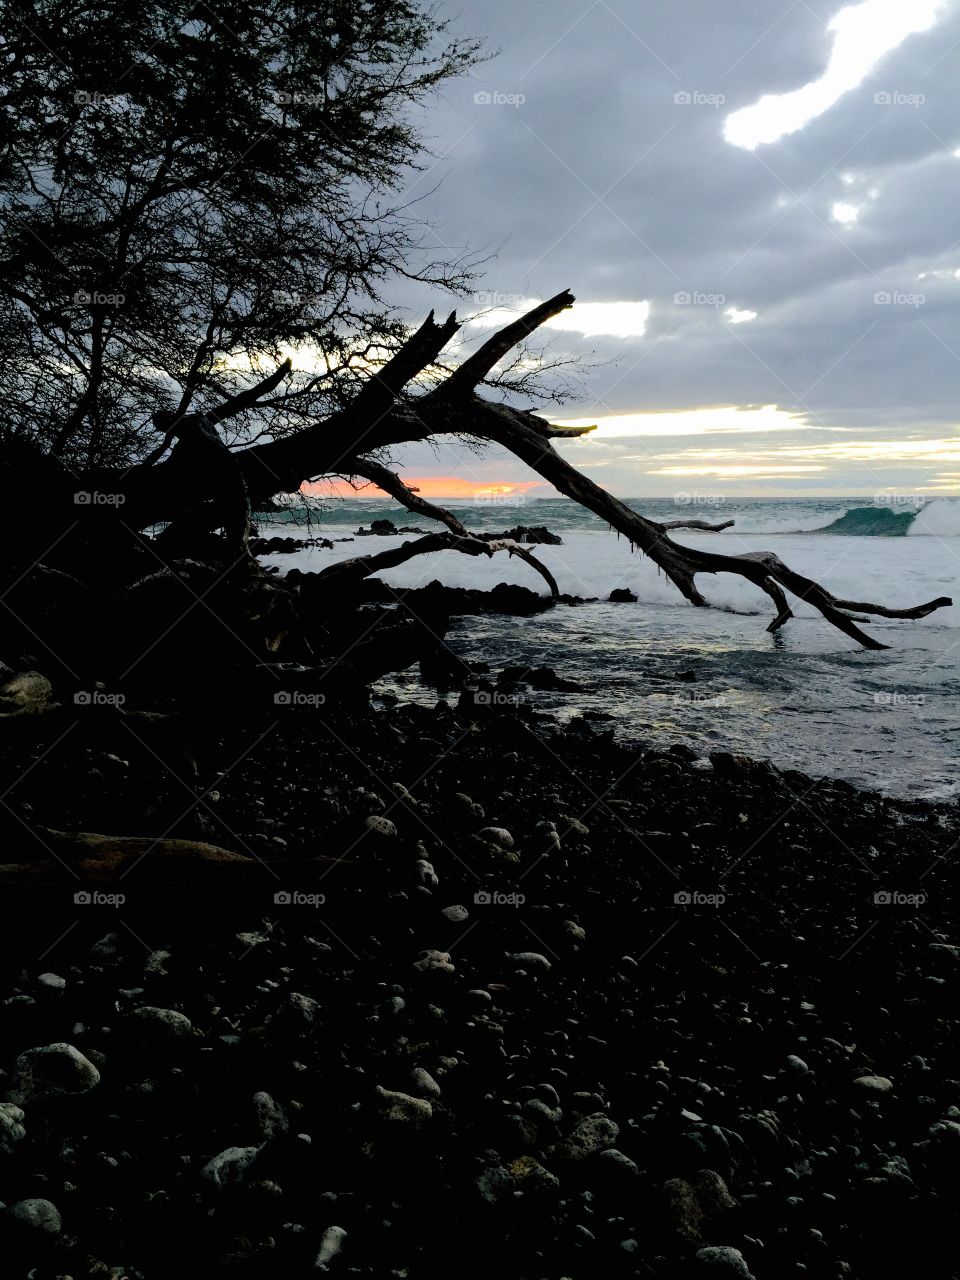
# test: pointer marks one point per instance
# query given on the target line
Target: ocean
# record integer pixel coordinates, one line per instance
(807, 698)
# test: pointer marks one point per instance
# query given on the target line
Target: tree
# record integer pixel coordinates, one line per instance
(190, 190)
(147, 234)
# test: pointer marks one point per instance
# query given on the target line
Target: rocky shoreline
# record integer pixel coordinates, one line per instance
(486, 997)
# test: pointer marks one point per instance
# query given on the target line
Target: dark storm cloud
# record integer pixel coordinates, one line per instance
(593, 175)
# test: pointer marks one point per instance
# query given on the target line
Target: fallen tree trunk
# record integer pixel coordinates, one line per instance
(386, 414)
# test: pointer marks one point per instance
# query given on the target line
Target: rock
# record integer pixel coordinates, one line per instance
(298, 1011)
(51, 981)
(330, 1246)
(456, 914)
(37, 1215)
(270, 1116)
(424, 1083)
(615, 1165)
(25, 694)
(155, 962)
(697, 1203)
(11, 1126)
(165, 1024)
(434, 962)
(588, 1136)
(426, 874)
(230, 1167)
(496, 835)
(495, 1184)
(622, 595)
(796, 1064)
(538, 534)
(568, 825)
(722, 1260)
(380, 827)
(531, 960)
(402, 1109)
(531, 1177)
(873, 1084)
(574, 931)
(53, 1070)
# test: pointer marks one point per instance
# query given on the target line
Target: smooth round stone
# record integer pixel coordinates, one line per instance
(531, 960)
(164, 1022)
(330, 1246)
(424, 1083)
(51, 981)
(455, 914)
(873, 1084)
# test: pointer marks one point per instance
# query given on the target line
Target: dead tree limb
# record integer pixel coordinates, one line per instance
(705, 525)
(357, 567)
(391, 483)
(386, 414)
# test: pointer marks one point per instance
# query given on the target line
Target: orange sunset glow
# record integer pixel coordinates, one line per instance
(429, 487)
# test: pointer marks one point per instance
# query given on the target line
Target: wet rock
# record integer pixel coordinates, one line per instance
(622, 595)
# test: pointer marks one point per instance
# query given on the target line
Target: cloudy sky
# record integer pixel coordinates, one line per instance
(755, 204)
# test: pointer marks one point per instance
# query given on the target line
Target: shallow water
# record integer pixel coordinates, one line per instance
(808, 698)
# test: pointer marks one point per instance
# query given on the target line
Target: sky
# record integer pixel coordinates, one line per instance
(755, 205)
